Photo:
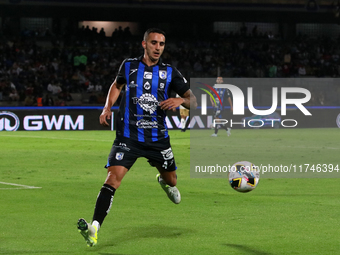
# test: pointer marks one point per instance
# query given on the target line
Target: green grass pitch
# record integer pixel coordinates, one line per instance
(63, 171)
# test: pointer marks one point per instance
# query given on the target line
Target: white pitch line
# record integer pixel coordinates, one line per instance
(258, 146)
(56, 138)
(19, 185)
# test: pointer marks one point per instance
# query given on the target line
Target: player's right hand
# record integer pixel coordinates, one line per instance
(104, 116)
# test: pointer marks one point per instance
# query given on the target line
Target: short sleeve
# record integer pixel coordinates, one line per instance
(179, 84)
(121, 79)
(227, 94)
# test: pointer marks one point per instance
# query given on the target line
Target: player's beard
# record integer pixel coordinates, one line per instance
(151, 56)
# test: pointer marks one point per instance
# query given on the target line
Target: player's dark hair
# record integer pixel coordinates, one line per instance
(153, 30)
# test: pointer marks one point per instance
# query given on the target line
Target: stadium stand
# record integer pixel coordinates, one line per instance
(77, 66)
(30, 68)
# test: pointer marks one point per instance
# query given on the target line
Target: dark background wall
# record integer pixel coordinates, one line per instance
(191, 16)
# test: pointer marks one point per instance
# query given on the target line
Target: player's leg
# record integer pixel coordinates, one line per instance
(216, 128)
(226, 126)
(184, 116)
(228, 131)
(168, 182)
(183, 122)
(169, 178)
(120, 160)
(161, 157)
(217, 116)
(115, 175)
(187, 121)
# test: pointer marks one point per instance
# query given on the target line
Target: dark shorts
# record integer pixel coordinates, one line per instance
(125, 152)
(221, 113)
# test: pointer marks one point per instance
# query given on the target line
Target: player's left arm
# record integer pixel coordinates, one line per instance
(111, 98)
(212, 102)
(230, 103)
(228, 94)
(180, 85)
(188, 100)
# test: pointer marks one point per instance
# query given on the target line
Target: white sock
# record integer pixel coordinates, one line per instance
(96, 224)
(183, 121)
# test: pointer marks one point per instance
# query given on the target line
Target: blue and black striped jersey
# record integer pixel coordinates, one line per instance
(140, 118)
(223, 94)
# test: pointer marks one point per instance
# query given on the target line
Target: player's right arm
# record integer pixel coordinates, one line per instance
(113, 94)
(212, 102)
(111, 98)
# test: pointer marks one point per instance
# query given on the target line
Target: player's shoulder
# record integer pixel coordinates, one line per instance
(163, 64)
(175, 71)
(131, 60)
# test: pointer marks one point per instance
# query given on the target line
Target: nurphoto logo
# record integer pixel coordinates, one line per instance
(239, 105)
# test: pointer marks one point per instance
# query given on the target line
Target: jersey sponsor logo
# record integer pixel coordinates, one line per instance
(161, 86)
(163, 74)
(132, 71)
(148, 75)
(147, 102)
(145, 115)
(168, 157)
(167, 154)
(133, 85)
(146, 124)
(119, 155)
(123, 146)
(147, 85)
(167, 163)
(9, 121)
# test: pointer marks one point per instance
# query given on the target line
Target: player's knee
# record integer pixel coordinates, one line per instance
(113, 180)
(115, 175)
(113, 183)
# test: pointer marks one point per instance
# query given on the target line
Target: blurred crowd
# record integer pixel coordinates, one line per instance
(49, 70)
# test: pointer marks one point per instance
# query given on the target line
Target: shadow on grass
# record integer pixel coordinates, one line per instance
(33, 252)
(105, 253)
(141, 232)
(247, 249)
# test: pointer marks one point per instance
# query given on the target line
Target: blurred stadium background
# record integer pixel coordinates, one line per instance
(67, 53)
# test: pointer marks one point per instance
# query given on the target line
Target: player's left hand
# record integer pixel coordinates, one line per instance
(171, 103)
(106, 114)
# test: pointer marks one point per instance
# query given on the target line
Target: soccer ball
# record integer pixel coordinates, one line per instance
(244, 176)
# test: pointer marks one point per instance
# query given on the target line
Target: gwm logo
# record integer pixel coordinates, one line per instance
(238, 102)
(9, 121)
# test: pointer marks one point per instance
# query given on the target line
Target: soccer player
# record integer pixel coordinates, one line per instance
(141, 127)
(218, 108)
(184, 113)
